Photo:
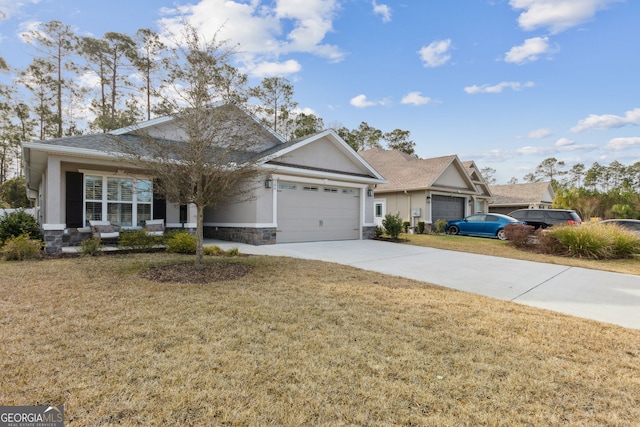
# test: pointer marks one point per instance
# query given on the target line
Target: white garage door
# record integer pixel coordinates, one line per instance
(309, 212)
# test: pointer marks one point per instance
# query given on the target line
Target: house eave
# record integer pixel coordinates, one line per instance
(71, 151)
(291, 170)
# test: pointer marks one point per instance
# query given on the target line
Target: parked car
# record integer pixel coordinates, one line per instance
(544, 218)
(630, 224)
(488, 225)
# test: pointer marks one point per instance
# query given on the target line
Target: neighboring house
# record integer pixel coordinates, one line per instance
(508, 198)
(426, 189)
(315, 188)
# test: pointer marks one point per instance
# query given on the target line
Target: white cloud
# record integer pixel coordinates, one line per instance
(415, 98)
(361, 101)
(383, 10)
(607, 121)
(263, 31)
(565, 143)
(556, 15)
(530, 51)
(436, 53)
(533, 151)
(516, 86)
(306, 110)
(623, 143)
(270, 69)
(538, 134)
(8, 8)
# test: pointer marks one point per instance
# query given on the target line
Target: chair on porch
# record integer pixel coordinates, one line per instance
(154, 227)
(104, 230)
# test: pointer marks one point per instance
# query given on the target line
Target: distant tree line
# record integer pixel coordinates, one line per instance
(605, 191)
(79, 84)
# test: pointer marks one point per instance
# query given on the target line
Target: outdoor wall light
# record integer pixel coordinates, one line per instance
(370, 192)
(268, 183)
(428, 199)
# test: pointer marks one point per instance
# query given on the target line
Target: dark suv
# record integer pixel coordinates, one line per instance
(543, 218)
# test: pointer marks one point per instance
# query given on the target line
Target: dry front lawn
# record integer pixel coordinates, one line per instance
(295, 342)
(494, 247)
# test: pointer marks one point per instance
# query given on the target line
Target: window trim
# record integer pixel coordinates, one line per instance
(105, 201)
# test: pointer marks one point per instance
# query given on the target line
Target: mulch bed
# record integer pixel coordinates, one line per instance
(187, 273)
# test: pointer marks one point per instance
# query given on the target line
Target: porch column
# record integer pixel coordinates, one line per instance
(53, 227)
(53, 191)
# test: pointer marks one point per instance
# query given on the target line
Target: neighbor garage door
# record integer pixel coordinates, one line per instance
(308, 213)
(447, 208)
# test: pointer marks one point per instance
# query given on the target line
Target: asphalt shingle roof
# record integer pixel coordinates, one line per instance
(405, 172)
(533, 192)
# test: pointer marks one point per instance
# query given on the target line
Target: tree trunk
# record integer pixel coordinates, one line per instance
(199, 237)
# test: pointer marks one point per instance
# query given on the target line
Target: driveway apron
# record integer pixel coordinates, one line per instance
(590, 294)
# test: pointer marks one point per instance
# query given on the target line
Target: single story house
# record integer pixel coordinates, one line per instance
(315, 188)
(426, 189)
(533, 195)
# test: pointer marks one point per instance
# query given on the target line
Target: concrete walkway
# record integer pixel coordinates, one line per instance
(590, 294)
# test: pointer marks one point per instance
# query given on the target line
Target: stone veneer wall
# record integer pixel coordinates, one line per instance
(368, 232)
(251, 236)
(53, 241)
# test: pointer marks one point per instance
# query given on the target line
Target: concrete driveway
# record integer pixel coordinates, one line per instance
(590, 294)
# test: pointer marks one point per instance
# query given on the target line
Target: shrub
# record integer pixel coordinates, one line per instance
(91, 247)
(233, 252)
(582, 242)
(421, 227)
(138, 240)
(441, 225)
(22, 247)
(18, 223)
(547, 243)
(213, 250)
(405, 226)
(181, 242)
(392, 225)
(625, 244)
(519, 235)
(379, 231)
(595, 241)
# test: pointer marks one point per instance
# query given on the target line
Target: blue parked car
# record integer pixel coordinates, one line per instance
(488, 225)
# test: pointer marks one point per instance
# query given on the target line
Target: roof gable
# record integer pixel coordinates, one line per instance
(451, 177)
(323, 151)
(406, 172)
(474, 173)
(168, 127)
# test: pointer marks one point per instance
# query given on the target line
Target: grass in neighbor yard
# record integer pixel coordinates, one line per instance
(297, 342)
(494, 247)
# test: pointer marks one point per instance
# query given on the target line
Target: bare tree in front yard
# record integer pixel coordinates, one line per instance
(211, 157)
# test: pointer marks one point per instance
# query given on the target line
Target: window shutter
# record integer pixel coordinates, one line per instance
(74, 200)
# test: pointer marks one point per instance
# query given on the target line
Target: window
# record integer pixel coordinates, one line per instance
(123, 201)
(351, 191)
(330, 190)
(310, 188)
(286, 186)
(378, 210)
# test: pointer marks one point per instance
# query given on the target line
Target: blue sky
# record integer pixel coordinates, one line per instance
(506, 83)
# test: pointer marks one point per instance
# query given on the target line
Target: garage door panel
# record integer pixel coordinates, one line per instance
(447, 208)
(305, 216)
